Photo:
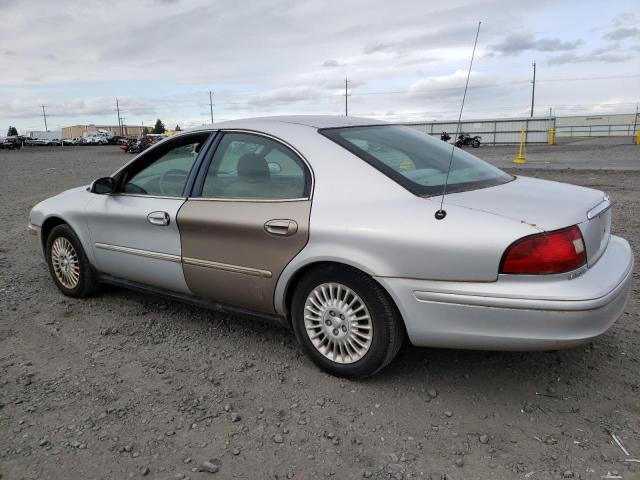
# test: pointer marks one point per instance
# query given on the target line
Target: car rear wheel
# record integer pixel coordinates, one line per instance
(68, 264)
(346, 322)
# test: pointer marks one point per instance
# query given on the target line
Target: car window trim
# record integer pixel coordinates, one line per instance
(196, 192)
(211, 142)
(118, 175)
(418, 190)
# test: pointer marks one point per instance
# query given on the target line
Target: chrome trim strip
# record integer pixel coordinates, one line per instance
(256, 272)
(532, 304)
(142, 253)
(256, 200)
(602, 207)
(123, 194)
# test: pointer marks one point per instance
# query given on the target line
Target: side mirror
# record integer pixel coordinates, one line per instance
(103, 185)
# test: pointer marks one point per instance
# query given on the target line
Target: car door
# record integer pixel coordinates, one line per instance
(134, 231)
(247, 219)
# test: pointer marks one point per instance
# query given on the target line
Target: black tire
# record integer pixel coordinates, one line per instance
(458, 144)
(475, 144)
(87, 283)
(388, 328)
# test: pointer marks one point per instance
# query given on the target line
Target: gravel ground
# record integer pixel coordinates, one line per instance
(124, 385)
(596, 153)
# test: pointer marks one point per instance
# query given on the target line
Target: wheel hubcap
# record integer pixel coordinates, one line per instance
(338, 323)
(65, 262)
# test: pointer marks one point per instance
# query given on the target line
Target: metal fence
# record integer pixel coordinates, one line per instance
(620, 130)
(495, 131)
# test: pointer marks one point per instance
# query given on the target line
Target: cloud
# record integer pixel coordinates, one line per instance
(330, 63)
(281, 57)
(601, 55)
(447, 86)
(516, 43)
(286, 95)
(78, 107)
(623, 33)
(376, 47)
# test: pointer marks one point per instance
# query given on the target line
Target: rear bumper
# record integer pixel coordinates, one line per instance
(517, 312)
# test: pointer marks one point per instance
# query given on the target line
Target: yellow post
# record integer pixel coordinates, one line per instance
(638, 137)
(522, 154)
(552, 136)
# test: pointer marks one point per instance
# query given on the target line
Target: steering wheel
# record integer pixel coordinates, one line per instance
(133, 188)
(171, 180)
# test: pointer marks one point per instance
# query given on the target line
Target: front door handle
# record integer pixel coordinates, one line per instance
(284, 228)
(159, 218)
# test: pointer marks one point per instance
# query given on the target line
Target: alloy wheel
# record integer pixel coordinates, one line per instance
(338, 323)
(66, 265)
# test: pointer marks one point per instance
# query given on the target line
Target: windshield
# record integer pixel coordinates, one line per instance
(416, 160)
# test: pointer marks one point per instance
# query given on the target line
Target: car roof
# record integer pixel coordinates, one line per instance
(313, 121)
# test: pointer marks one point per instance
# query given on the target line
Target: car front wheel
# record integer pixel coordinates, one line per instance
(346, 322)
(68, 264)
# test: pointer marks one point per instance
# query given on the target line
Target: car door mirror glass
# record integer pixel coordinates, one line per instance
(103, 185)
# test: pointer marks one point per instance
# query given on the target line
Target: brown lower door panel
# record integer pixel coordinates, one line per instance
(234, 252)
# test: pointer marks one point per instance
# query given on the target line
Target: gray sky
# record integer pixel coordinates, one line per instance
(406, 59)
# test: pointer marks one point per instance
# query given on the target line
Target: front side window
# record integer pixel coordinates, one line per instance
(247, 166)
(416, 160)
(165, 171)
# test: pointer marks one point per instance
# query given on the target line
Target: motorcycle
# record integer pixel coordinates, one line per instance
(464, 139)
(445, 137)
(127, 145)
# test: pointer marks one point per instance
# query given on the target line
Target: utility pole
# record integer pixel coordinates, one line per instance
(122, 127)
(533, 90)
(211, 104)
(635, 124)
(118, 110)
(346, 97)
(44, 114)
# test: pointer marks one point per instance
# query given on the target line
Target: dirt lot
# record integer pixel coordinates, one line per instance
(124, 385)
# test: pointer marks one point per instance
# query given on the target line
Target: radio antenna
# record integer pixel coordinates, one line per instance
(440, 214)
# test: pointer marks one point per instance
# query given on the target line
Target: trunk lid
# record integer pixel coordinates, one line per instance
(547, 206)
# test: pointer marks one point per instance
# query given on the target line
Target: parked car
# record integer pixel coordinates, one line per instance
(12, 142)
(328, 225)
(96, 140)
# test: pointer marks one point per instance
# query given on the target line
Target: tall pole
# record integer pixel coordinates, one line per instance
(44, 114)
(635, 123)
(118, 110)
(533, 90)
(346, 97)
(211, 104)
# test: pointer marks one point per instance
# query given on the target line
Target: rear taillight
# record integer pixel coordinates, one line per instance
(551, 252)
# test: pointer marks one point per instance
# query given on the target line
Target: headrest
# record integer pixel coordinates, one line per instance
(252, 165)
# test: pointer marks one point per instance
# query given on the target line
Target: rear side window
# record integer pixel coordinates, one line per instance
(416, 160)
(248, 166)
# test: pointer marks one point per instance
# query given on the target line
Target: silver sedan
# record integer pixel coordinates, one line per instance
(332, 226)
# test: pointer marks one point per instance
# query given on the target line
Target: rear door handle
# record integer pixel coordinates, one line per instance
(284, 228)
(159, 218)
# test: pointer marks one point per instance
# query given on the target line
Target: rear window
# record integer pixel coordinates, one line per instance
(416, 160)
